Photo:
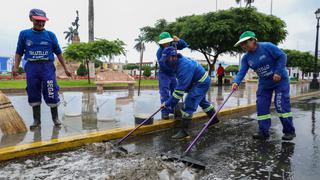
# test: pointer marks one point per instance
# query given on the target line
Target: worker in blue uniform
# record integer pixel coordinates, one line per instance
(269, 62)
(38, 47)
(192, 79)
(167, 79)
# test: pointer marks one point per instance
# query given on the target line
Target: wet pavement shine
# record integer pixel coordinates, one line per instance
(124, 112)
(227, 149)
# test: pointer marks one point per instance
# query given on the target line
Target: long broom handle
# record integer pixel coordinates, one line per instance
(206, 126)
(126, 136)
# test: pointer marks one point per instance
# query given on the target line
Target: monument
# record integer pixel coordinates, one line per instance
(72, 34)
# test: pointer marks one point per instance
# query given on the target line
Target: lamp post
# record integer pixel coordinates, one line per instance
(314, 83)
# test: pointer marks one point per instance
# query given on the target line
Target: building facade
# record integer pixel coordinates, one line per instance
(6, 64)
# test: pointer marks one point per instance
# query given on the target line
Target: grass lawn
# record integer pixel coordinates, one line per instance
(20, 84)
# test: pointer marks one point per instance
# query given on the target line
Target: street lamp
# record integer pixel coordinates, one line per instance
(314, 83)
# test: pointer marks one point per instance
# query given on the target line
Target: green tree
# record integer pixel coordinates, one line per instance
(147, 71)
(93, 51)
(232, 68)
(215, 33)
(82, 70)
(69, 34)
(131, 67)
(303, 60)
(140, 47)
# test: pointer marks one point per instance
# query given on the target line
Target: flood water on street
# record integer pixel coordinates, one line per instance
(227, 149)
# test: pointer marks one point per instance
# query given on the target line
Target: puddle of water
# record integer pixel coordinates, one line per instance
(227, 149)
(124, 116)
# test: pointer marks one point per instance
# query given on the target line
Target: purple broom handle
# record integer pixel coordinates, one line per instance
(143, 122)
(206, 126)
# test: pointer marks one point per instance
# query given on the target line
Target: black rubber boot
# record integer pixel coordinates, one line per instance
(36, 110)
(177, 111)
(183, 132)
(165, 116)
(55, 117)
(288, 137)
(215, 120)
(260, 136)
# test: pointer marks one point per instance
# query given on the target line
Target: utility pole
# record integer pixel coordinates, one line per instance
(91, 21)
(216, 5)
(271, 7)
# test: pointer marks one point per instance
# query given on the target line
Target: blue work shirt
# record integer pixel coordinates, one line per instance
(38, 45)
(266, 61)
(188, 72)
(181, 44)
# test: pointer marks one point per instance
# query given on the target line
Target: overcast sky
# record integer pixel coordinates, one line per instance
(123, 18)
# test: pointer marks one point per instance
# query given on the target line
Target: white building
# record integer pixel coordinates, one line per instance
(296, 73)
(6, 64)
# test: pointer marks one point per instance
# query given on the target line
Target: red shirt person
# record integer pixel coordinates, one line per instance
(220, 74)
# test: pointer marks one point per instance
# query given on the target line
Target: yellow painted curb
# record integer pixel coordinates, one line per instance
(23, 150)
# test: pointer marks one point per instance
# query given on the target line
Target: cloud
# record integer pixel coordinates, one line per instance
(123, 18)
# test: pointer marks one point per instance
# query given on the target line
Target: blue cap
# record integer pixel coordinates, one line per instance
(169, 51)
(38, 14)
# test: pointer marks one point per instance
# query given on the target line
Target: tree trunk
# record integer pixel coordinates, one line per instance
(211, 66)
(140, 68)
(208, 61)
(91, 20)
(87, 62)
(215, 59)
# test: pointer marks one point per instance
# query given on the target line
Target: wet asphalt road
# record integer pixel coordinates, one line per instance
(227, 149)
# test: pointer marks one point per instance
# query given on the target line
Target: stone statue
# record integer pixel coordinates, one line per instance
(72, 34)
(75, 23)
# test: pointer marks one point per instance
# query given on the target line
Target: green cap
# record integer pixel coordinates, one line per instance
(165, 37)
(245, 36)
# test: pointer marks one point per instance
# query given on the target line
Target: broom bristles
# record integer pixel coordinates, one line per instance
(10, 121)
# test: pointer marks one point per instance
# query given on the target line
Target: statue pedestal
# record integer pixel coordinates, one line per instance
(75, 39)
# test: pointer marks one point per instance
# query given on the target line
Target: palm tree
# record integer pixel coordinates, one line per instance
(139, 46)
(69, 34)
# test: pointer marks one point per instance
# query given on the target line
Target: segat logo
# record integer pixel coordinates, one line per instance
(278, 102)
(29, 42)
(50, 89)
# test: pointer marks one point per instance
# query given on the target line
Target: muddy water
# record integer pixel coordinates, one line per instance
(227, 149)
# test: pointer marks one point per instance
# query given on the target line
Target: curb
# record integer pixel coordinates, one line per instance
(64, 143)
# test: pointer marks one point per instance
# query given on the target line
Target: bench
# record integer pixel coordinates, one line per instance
(100, 84)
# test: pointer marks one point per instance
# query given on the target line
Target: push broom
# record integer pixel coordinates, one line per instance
(10, 121)
(117, 144)
(184, 156)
